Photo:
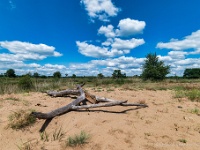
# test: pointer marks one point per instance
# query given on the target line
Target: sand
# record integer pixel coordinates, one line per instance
(161, 126)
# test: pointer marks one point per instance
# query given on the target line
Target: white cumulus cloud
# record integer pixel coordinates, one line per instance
(191, 41)
(96, 51)
(128, 27)
(29, 51)
(127, 44)
(100, 9)
(107, 31)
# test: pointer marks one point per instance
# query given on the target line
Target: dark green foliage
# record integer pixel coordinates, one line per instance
(117, 74)
(57, 74)
(10, 73)
(43, 76)
(100, 76)
(25, 83)
(36, 75)
(192, 73)
(74, 76)
(153, 69)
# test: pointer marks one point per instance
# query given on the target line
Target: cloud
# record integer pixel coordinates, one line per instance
(129, 65)
(181, 51)
(118, 47)
(127, 44)
(189, 42)
(128, 27)
(96, 51)
(114, 46)
(29, 51)
(107, 31)
(100, 9)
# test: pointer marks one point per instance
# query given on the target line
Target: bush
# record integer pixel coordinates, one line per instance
(21, 119)
(77, 139)
(57, 74)
(25, 83)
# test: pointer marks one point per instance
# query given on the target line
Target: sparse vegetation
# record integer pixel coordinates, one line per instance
(195, 111)
(58, 134)
(191, 94)
(25, 146)
(21, 119)
(182, 140)
(77, 140)
(44, 136)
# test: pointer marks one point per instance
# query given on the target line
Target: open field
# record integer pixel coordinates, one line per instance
(170, 122)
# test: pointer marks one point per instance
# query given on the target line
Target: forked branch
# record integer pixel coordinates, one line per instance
(75, 105)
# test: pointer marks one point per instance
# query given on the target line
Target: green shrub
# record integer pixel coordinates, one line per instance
(25, 83)
(77, 139)
(195, 111)
(193, 95)
(182, 140)
(21, 119)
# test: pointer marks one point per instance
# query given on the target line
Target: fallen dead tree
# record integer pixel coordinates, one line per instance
(80, 103)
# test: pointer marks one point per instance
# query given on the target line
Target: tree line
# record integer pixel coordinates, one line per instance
(153, 69)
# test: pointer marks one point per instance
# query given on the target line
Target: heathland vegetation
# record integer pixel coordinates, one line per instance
(154, 76)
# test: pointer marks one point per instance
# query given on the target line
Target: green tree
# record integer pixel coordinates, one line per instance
(73, 76)
(192, 73)
(100, 75)
(153, 69)
(117, 74)
(36, 75)
(57, 74)
(10, 73)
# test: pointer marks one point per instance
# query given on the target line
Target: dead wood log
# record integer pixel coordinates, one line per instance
(82, 98)
(98, 105)
(61, 110)
(63, 93)
(103, 99)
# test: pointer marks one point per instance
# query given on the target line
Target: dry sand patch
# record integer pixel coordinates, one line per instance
(162, 126)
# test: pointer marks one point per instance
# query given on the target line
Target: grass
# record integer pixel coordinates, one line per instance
(12, 99)
(25, 146)
(58, 135)
(195, 111)
(77, 140)
(194, 95)
(44, 136)
(21, 119)
(191, 94)
(182, 140)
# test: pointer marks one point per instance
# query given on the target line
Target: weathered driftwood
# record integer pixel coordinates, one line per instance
(82, 98)
(103, 99)
(61, 110)
(63, 93)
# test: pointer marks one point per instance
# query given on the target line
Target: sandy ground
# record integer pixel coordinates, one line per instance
(158, 127)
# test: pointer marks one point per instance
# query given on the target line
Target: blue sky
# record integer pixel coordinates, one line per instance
(87, 37)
